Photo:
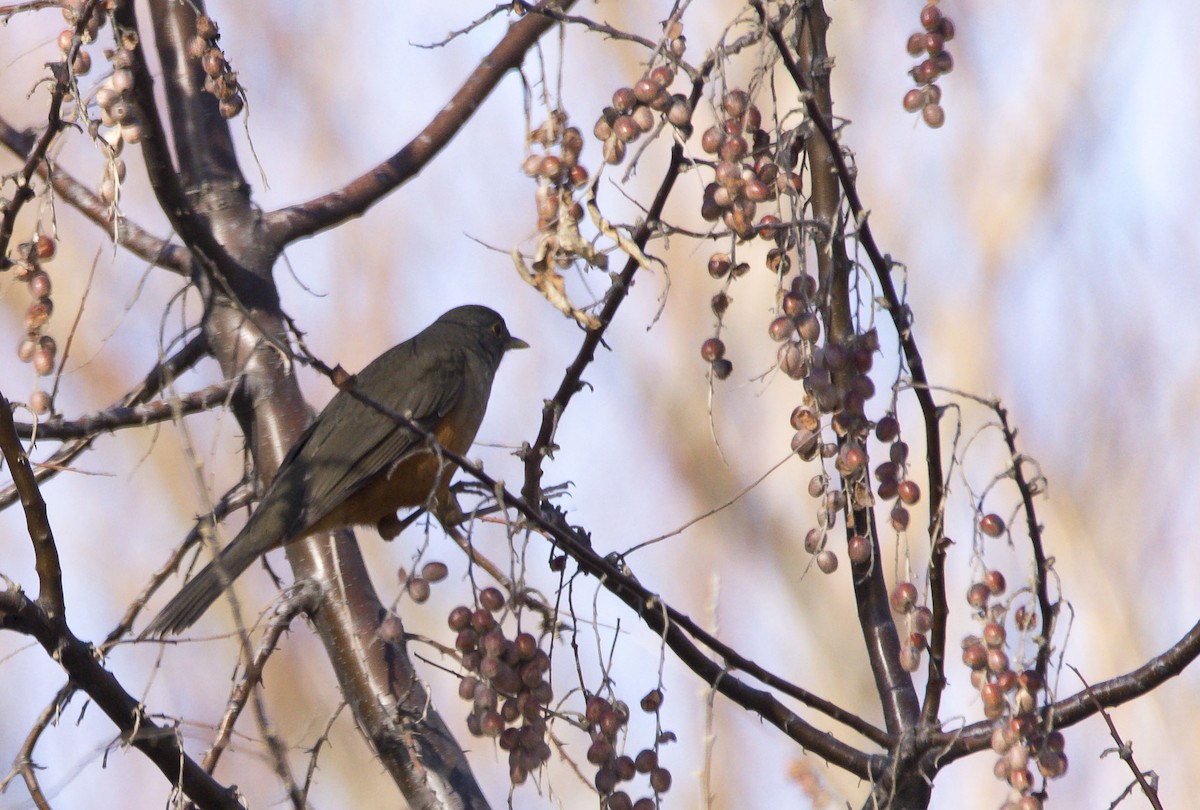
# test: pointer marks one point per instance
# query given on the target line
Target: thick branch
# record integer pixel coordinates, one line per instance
(49, 569)
(248, 336)
(826, 162)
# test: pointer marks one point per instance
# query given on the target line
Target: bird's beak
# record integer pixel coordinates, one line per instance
(515, 343)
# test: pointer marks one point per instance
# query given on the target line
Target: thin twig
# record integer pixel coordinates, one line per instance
(1124, 750)
(305, 599)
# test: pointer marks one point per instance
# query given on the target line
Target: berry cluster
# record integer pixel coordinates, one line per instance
(891, 475)
(746, 173)
(118, 124)
(506, 684)
(836, 381)
(1019, 736)
(558, 173)
(904, 600)
(37, 347)
(1019, 744)
(417, 586)
(219, 79)
(72, 9)
(634, 112)
(605, 720)
(931, 42)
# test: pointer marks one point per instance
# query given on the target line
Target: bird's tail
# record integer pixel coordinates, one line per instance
(198, 594)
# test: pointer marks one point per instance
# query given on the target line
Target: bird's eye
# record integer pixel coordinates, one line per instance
(498, 329)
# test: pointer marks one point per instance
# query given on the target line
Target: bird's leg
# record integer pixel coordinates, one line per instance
(390, 526)
(447, 510)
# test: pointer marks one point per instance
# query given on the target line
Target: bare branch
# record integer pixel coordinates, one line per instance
(305, 600)
(298, 221)
(118, 416)
(160, 745)
(49, 570)
(158, 378)
(128, 235)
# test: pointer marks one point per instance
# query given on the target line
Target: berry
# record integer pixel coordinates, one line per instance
(827, 561)
(858, 549)
(991, 525)
(624, 99)
(781, 328)
(931, 16)
(45, 247)
(712, 349)
(904, 597)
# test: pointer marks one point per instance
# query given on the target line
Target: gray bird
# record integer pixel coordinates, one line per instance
(354, 465)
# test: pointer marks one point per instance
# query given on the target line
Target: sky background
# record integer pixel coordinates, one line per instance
(1049, 238)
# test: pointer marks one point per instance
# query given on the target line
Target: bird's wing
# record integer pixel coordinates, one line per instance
(360, 442)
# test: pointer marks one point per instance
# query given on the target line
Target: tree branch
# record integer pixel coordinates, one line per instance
(299, 221)
(121, 416)
(950, 746)
(160, 745)
(49, 569)
(125, 233)
(158, 379)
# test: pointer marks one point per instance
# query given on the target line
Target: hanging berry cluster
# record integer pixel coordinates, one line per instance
(72, 10)
(737, 189)
(219, 79)
(1021, 735)
(506, 683)
(931, 42)
(118, 124)
(635, 110)
(746, 174)
(836, 383)
(559, 174)
(605, 721)
(37, 347)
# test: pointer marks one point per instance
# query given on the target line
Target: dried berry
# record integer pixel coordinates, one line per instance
(491, 599)
(991, 525)
(712, 349)
(904, 597)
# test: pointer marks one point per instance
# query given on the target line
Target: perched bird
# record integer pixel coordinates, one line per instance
(355, 465)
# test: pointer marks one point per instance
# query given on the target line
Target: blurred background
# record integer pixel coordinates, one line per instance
(1050, 251)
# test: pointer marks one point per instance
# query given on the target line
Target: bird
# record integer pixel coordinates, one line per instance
(357, 466)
